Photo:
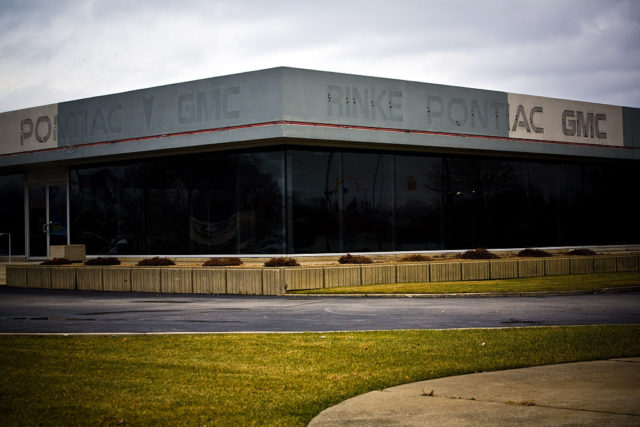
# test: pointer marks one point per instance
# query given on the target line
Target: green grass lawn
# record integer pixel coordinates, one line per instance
(571, 282)
(259, 379)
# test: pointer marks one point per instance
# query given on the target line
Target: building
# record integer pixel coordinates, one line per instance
(291, 161)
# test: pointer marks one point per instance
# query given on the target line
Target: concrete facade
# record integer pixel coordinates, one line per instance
(313, 105)
(287, 107)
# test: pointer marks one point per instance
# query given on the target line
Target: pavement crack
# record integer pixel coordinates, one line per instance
(529, 403)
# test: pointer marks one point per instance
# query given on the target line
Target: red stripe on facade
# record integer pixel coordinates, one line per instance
(326, 125)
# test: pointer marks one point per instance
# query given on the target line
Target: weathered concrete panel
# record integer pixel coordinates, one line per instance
(631, 125)
(145, 280)
(253, 97)
(627, 263)
(535, 117)
(39, 277)
(531, 267)
(244, 281)
(445, 272)
(210, 280)
(17, 276)
(582, 265)
(321, 97)
(503, 269)
(272, 281)
(176, 280)
(116, 279)
(63, 278)
(412, 273)
(378, 274)
(29, 129)
(604, 264)
(556, 266)
(342, 276)
(475, 270)
(89, 278)
(303, 278)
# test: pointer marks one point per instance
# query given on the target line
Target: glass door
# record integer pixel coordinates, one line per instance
(47, 218)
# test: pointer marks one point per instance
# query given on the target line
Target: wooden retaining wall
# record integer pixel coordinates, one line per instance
(276, 281)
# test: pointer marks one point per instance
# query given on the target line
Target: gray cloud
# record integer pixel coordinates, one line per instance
(55, 51)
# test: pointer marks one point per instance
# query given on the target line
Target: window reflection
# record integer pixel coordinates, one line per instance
(368, 181)
(12, 213)
(316, 200)
(339, 201)
(418, 202)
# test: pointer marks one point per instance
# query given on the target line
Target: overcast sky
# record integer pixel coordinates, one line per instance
(54, 51)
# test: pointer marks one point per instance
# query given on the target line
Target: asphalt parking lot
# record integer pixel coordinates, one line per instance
(52, 311)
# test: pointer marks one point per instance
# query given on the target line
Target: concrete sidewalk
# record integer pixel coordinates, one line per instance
(588, 393)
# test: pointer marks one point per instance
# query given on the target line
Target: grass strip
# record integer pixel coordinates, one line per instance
(260, 379)
(573, 282)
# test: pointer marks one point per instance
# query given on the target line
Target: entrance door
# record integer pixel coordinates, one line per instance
(47, 218)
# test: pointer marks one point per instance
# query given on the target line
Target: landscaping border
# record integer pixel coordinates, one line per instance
(278, 280)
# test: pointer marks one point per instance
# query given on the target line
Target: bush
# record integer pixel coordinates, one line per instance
(216, 262)
(415, 258)
(57, 261)
(281, 262)
(354, 259)
(582, 252)
(102, 261)
(539, 253)
(479, 253)
(155, 261)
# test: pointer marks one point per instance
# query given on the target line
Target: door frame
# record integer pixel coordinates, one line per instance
(27, 228)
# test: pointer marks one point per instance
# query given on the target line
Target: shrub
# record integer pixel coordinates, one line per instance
(415, 258)
(57, 261)
(282, 262)
(155, 261)
(102, 261)
(582, 252)
(354, 259)
(213, 262)
(479, 253)
(539, 253)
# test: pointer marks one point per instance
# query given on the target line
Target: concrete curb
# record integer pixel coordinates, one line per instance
(614, 290)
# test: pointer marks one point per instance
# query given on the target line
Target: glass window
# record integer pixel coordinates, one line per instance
(368, 202)
(165, 196)
(261, 204)
(315, 188)
(574, 226)
(546, 190)
(505, 204)
(419, 219)
(465, 188)
(213, 219)
(12, 214)
(611, 203)
(339, 201)
(107, 209)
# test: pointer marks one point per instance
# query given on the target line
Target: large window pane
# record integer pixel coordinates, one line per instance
(574, 223)
(261, 202)
(315, 182)
(546, 190)
(213, 225)
(368, 202)
(12, 214)
(505, 205)
(165, 186)
(419, 217)
(464, 199)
